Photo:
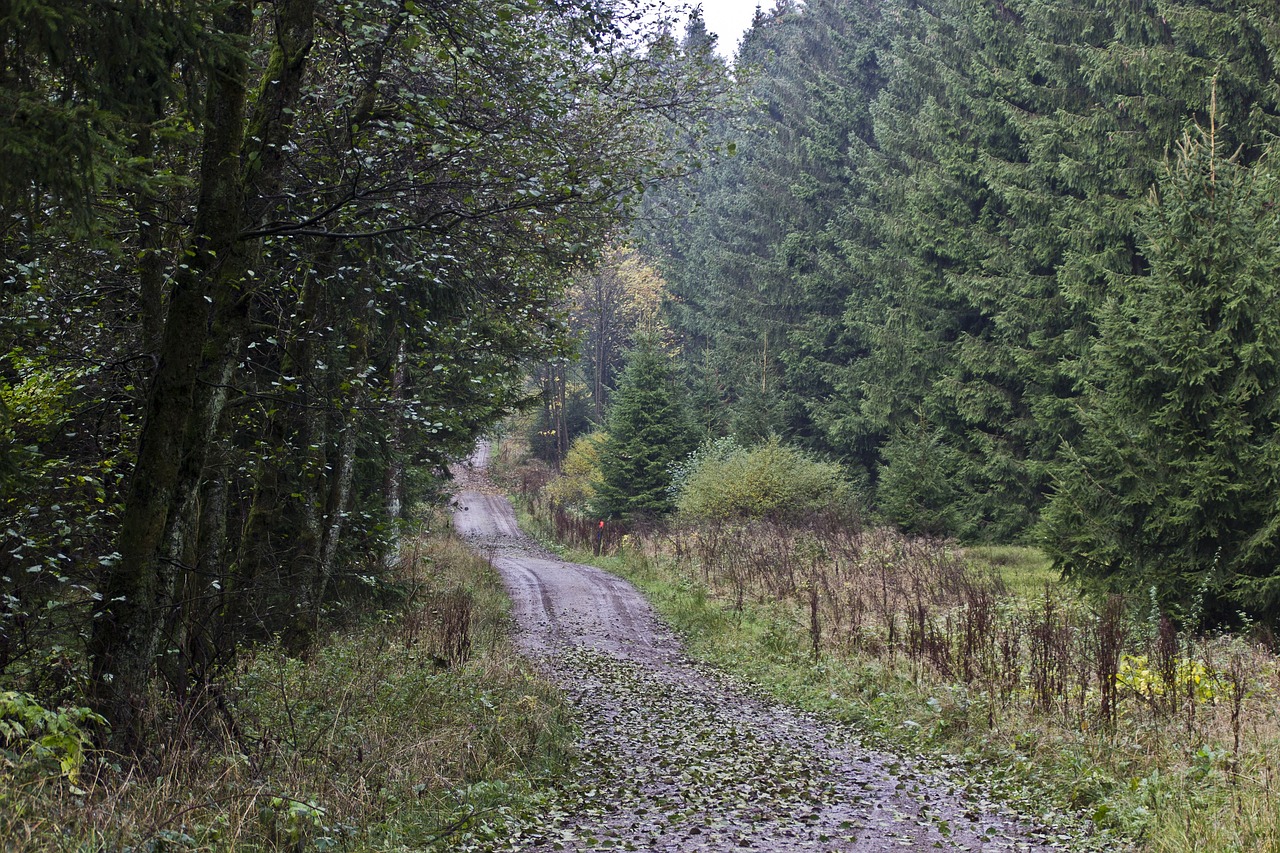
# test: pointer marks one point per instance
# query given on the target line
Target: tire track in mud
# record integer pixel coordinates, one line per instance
(676, 757)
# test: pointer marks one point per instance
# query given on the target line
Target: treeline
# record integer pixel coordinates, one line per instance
(264, 269)
(1015, 265)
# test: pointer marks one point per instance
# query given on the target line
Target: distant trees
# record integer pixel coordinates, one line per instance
(259, 264)
(743, 261)
(607, 307)
(915, 262)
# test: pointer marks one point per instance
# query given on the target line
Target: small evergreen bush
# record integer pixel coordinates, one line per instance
(919, 483)
(649, 429)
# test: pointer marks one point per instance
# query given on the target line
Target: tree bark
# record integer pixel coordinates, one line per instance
(339, 501)
(393, 481)
(136, 593)
(240, 172)
(151, 267)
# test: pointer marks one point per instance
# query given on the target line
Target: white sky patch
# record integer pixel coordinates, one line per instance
(729, 19)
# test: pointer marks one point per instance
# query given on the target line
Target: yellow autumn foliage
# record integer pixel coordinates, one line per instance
(580, 473)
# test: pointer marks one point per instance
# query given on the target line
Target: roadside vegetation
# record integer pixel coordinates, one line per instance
(411, 729)
(1100, 705)
(265, 271)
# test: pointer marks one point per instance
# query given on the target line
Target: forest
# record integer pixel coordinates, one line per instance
(1014, 266)
(266, 269)
(985, 272)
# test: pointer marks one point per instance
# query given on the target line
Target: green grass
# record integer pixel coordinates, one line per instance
(1026, 571)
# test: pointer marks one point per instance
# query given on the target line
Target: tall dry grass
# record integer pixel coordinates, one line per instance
(1171, 738)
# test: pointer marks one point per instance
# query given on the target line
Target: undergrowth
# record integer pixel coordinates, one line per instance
(1167, 741)
(410, 731)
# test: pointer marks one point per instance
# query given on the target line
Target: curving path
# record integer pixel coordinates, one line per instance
(678, 758)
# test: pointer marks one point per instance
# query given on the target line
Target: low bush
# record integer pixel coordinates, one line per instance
(770, 480)
(580, 474)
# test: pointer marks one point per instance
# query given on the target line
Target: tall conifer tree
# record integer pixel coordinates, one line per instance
(745, 265)
(1173, 484)
(649, 429)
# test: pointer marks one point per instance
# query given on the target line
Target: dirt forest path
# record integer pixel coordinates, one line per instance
(678, 758)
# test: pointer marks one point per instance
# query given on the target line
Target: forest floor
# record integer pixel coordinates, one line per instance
(677, 757)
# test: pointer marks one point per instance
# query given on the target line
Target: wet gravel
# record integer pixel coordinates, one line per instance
(676, 757)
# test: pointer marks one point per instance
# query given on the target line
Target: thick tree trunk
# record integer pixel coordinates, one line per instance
(336, 517)
(204, 649)
(197, 560)
(137, 591)
(151, 264)
(240, 172)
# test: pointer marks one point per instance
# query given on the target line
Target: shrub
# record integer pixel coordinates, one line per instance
(580, 474)
(771, 479)
(32, 734)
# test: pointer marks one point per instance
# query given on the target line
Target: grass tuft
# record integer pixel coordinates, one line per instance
(1025, 571)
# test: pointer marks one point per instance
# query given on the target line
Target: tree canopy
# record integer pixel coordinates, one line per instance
(261, 264)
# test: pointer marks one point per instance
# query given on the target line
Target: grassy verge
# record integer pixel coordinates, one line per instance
(1025, 572)
(1167, 742)
(420, 729)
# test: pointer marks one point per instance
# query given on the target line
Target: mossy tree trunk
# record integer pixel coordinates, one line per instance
(208, 310)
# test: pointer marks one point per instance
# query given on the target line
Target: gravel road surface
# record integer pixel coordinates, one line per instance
(676, 757)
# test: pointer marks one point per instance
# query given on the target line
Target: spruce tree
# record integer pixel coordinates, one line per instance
(1173, 484)
(649, 429)
(959, 317)
(745, 263)
(907, 263)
